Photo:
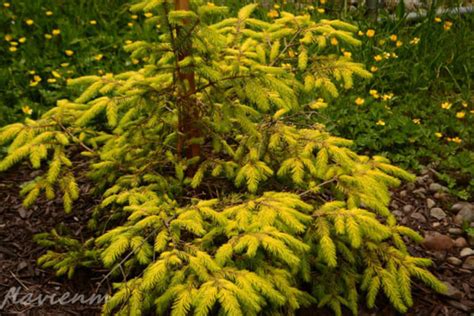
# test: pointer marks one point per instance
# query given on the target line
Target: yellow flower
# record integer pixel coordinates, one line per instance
(276, 6)
(92, 22)
(22, 39)
(382, 42)
(37, 78)
(48, 36)
(393, 55)
(359, 101)
(27, 110)
(378, 58)
(6, 4)
(29, 22)
(69, 52)
(446, 105)
(461, 114)
(360, 33)
(64, 65)
(464, 104)
(49, 13)
(380, 123)
(8, 37)
(34, 83)
(130, 24)
(134, 17)
(148, 14)
(370, 33)
(56, 74)
(399, 43)
(51, 80)
(439, 135)
(334, 41)
(318, 104)
(393, 37)
(374, 93)
(14, 43)
(31, 72)
(373, 69)
(415, 40)
(347, 54)
(416, 121)
(135, 61)
(437, 19)
(456, 140)
(321, 10)
(13, 49)
(273, 14)
(387, 96)
(322, 1)
(447, 25)
(56, 32)
(98, 57)
(128, 42)
(211, 4)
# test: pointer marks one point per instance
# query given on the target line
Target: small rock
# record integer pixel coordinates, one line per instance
(393, 205)
(420, 180)
(411, 186)
(403, 193)
(469, 263)
(455, 231)
(452, 291)
(439, 195)
(454, 261)
(419, 217)
(436, 224)
(465, 215)
(420, 192)
(408, 208)
(437, 213)
(397, 213)
(430, 203)
(22, 212)
(466, 252)
(460, 205)
(435, 187)
(437, 241)
(460, 242)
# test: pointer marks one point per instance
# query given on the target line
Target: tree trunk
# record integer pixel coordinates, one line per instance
(190, 114)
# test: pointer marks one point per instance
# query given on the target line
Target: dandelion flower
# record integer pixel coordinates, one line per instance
(148, 14)
(437, 19)
(273, 14)
(8, 37)
(380, 123)
(359, 101)
(29, 22)
(460, 115)
(334, 41)
(69, 52)
(49, 13)
(92, 22)
(378, 58)
(13, 49)
(98, 57)
(438, 134)
(48, 36)
(464, 104)
(51, 80)
(399, 43)
(416, 121)
(6, 4)
(447, 25)
(347, 54)
(56, 74)
(446, 105)
(374, 93)
(370, 33)
(22, 40)
(56, 32)
(321, 10)
(393, 37)
(134, 17)
(374, 69)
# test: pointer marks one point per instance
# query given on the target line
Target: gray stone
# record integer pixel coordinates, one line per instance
(437, 242)
(435, 187)
(408, 208)
(430, 203)
(460, 205)
(411, 186)
(397, 213)
(460, 242)
(419, 217)
(455, 231)
(469, 263)
(466, 252)
(467, 214)
(454, 261)
(437, 213)
(403, 193)
(452, 291)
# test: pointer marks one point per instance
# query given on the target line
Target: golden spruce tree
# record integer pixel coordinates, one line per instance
(215, 197)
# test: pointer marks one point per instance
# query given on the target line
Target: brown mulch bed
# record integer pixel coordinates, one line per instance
(18, 252)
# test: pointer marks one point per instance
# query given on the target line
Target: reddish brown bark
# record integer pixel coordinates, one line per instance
(190, 114)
